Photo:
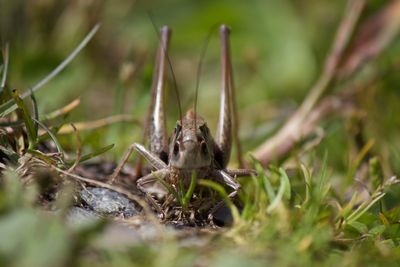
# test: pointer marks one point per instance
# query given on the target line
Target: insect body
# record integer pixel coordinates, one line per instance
(191, 147)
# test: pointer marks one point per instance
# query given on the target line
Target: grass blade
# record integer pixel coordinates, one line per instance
(6, 62)
(35, 112)
(29, 123)
(52, 136)
(264, 179)
(285, 179)
(283, 190)
(10, 105)
(170, 189)
(364, 208)
(221, 191)
(189, 192)
(93, 154)
(307, 174)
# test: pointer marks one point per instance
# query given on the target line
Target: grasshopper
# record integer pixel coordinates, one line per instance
(191, 148)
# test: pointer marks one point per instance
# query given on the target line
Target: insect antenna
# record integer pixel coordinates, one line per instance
(199, 67)
(169, 65)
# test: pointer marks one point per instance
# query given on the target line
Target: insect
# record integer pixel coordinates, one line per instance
(191, 147)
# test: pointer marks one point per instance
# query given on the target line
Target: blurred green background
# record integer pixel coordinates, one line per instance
(278, 48)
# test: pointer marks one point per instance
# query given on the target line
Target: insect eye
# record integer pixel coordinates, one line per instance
(204, 129)
(176, 149)
(203, 148)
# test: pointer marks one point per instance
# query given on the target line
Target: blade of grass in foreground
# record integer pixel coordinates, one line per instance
(10, 105)
(35, 112)
(265, 183)
(189, 192)
(283, 191)
(5, 68)
(29, 123)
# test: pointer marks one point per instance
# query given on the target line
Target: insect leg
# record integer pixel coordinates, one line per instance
(223, 137)
(155, 128)
(121, 164)
(235, 118)
(157, 132)
(153, 159)
(148, 183)
(224, 177)
(240, 172)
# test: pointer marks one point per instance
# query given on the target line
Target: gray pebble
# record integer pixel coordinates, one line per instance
(107, 202)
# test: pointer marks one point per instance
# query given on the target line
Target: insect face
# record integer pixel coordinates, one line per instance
(191, 145)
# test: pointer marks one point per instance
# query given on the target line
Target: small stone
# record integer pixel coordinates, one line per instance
(107, 202)
(79, 216)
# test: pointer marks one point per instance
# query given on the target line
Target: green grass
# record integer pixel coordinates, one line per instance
(285, 221)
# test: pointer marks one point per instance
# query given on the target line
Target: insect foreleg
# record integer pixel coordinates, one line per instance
(153, 159)
(240, 172)
(150, 182)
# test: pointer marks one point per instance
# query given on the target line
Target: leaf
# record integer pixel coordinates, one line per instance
(360, 227)
(377, 230)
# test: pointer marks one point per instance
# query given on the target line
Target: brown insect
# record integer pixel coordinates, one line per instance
(192, 147)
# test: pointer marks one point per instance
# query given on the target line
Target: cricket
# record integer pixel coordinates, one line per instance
(192, 150)
(199, 133)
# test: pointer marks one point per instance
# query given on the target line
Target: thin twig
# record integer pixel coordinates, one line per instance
(373, 36)
(122, 163)
(292, 132)
(90, 125)
(70, 106)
